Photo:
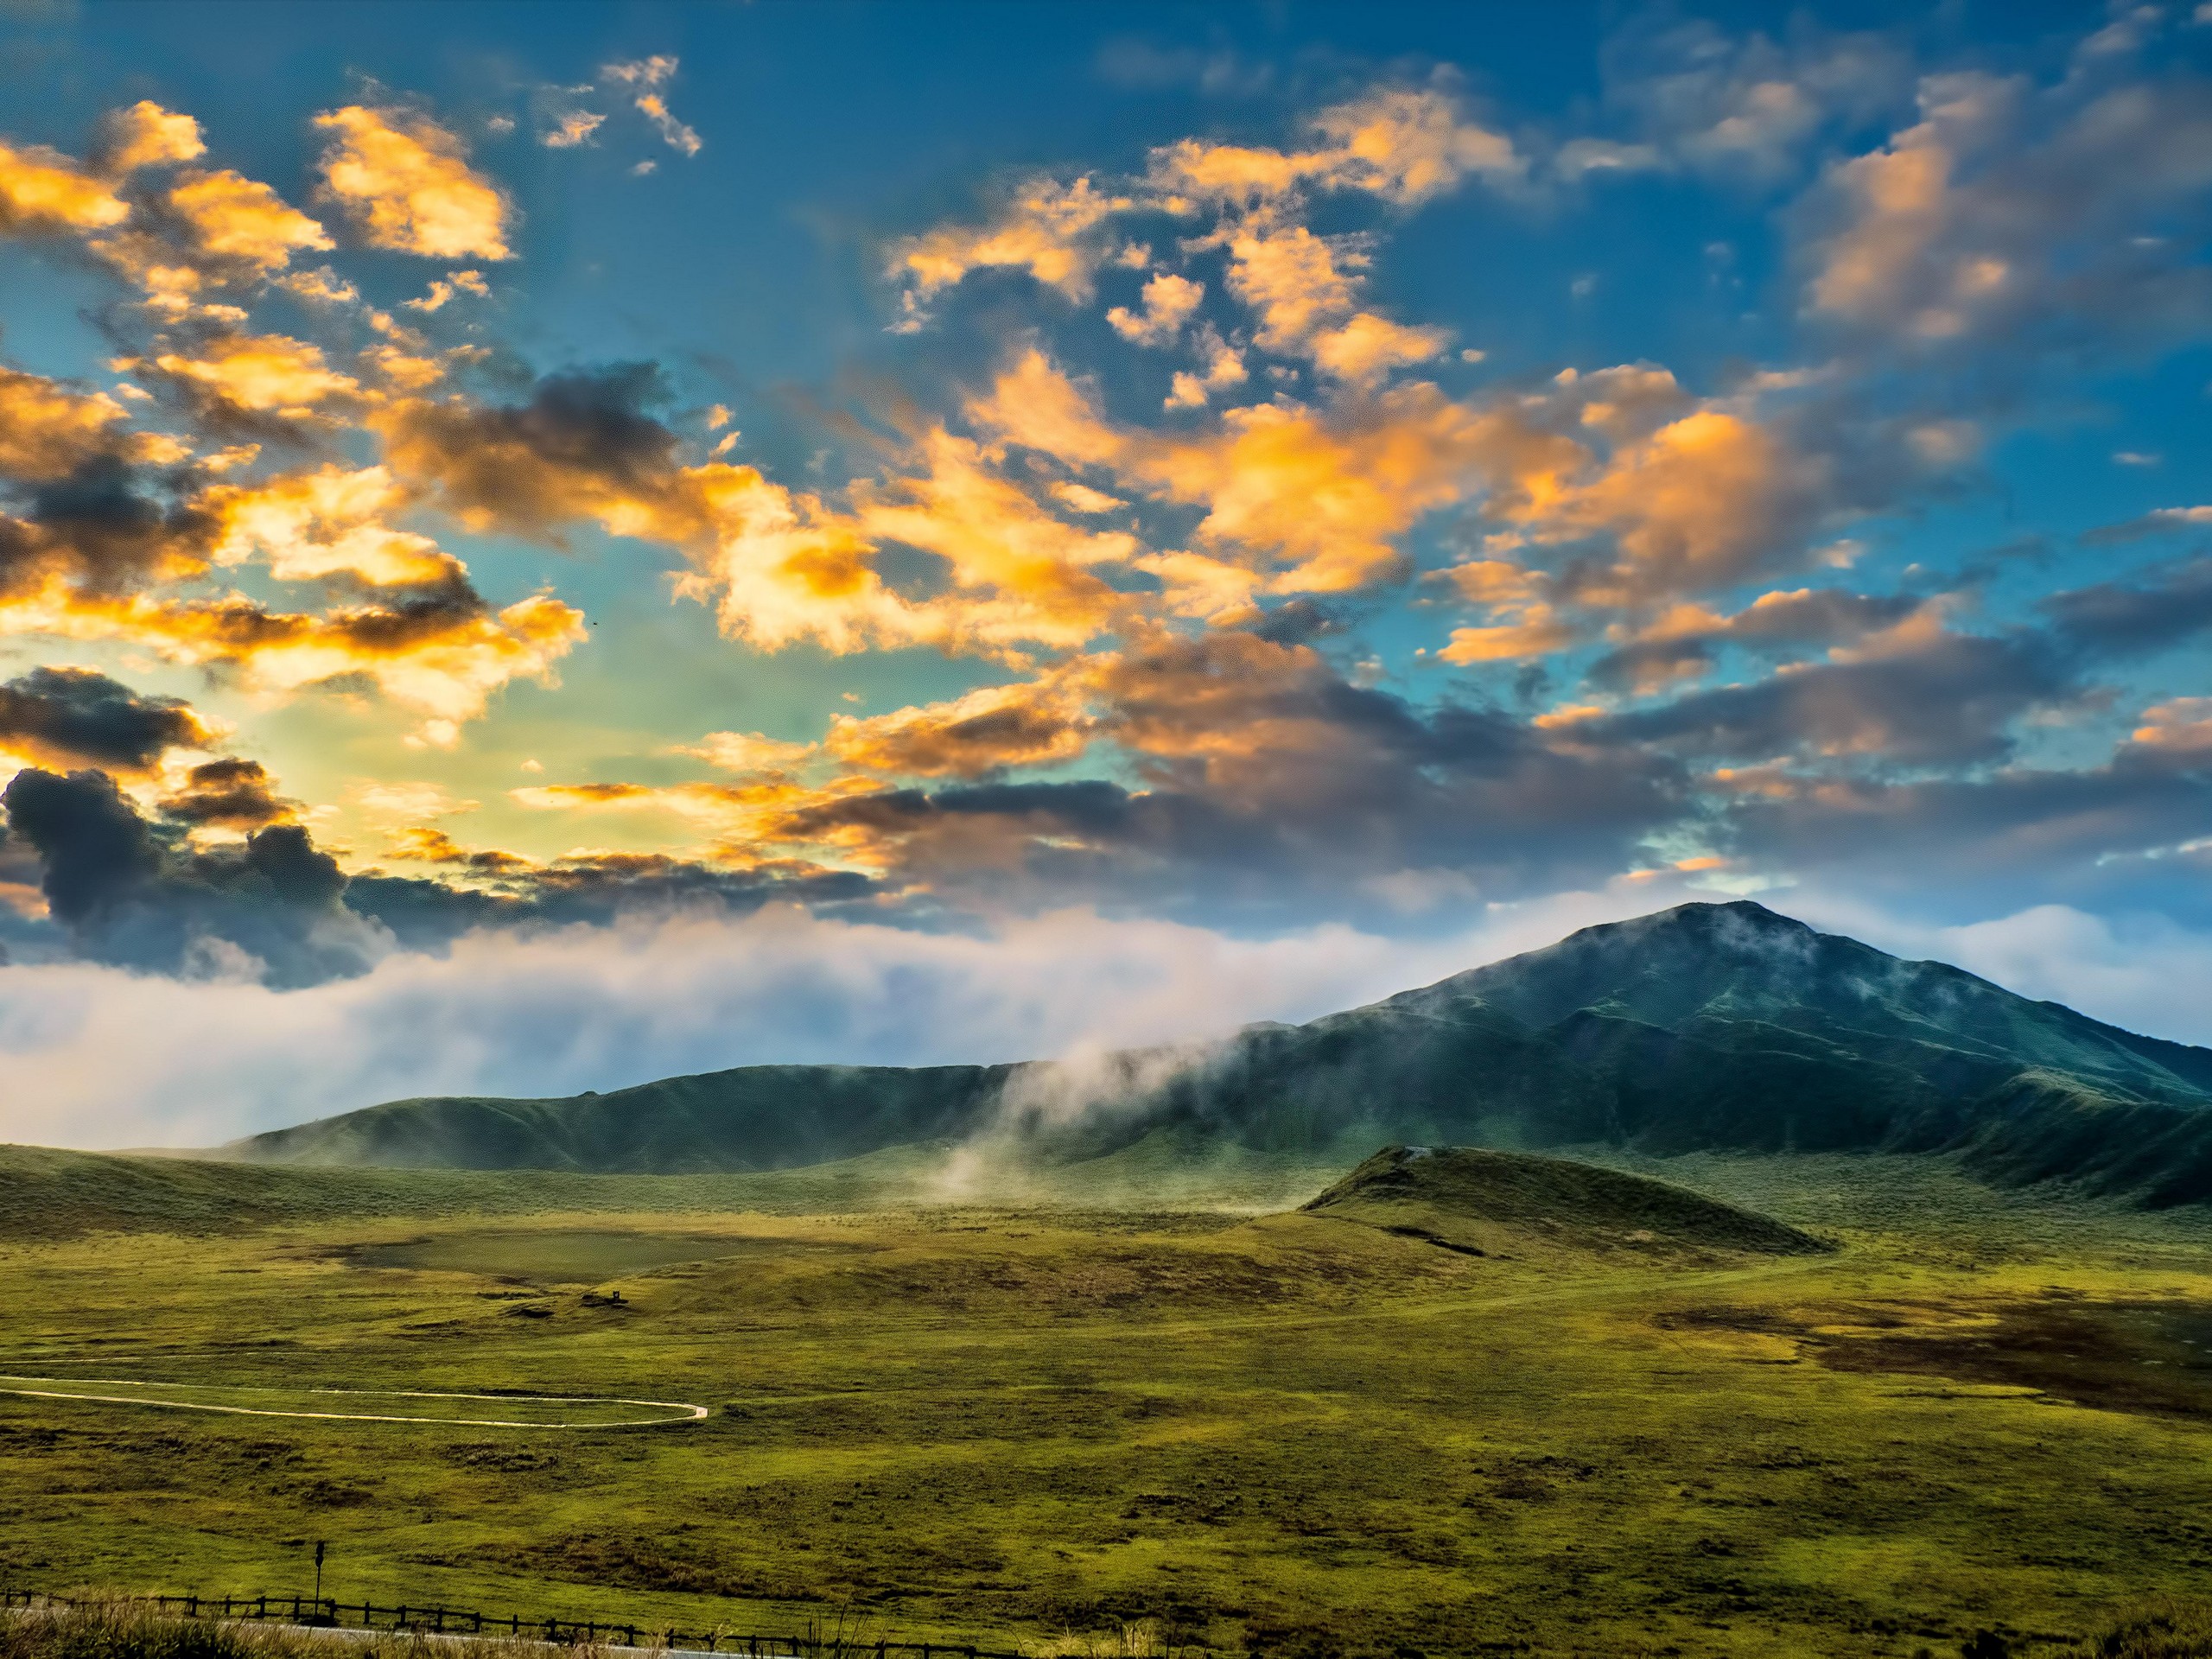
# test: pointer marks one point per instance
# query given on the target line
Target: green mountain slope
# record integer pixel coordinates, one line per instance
(1490, 1203)
(1704, 1026)
(757, 1117)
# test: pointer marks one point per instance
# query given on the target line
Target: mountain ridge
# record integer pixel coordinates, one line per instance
(1704, 1026)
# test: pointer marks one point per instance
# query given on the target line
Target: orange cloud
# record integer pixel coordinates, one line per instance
(46, 431)
(440, 658)
(1169, 300)
(426, 844)
(259, 374)
(1305, 291)
(1703, 501)
(1318, 499)
(987, 730)
(781, 567)
(2181, 726)
(1049, 230)
(1404, 145)
(1523, 623)
(759, 812)
(43, 193)
(407, 184)
(146, 135)
(329, 521)
(748, 752)
(232, 216)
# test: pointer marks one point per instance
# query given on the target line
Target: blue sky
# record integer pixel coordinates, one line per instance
(473, 472)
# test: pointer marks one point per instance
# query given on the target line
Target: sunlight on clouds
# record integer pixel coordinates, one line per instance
(1401, 144)
(234, 217)
(1182, 511)
(407, 186)
(1169, 302)
(324, 522)
(146, 135)
(2181, 726)
(1048, 229)
(984, 732)
(440, 662)
(262, 373)
(746, 752)
(42, 193)
(47, 431)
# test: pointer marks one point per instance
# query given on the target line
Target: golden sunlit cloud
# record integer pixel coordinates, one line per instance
(146, 135)
(42, 193)
(328, 522)
(233, 217)
(1048, 229)
(1404, 145)
(47, 431)
(264, 374)
(1169, 302)
(987, 730)
(747, 752)
(441, 660)
(407, 184)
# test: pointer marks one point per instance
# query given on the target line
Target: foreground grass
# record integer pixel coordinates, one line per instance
(1281, 1435)
(116, 1630)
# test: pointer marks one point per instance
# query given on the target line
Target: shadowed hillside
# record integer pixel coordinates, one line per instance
(1484, 1203)
(756, 1117)
(1701, 1027)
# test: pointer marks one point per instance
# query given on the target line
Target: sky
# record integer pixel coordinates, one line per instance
(543, 547)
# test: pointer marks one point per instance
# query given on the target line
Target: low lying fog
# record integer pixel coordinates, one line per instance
(97, 1057)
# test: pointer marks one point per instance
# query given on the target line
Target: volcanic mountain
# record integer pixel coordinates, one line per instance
(1707, 1026)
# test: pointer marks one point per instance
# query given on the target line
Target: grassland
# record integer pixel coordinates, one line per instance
(1040, 1421)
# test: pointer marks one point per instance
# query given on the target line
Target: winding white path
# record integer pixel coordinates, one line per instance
(15, 1385)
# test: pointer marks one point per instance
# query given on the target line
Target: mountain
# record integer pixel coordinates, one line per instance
(1704, 1026)
(1484, 1203)
(755, 1117)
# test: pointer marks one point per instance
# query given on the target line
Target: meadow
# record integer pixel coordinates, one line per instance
(1046, 1422)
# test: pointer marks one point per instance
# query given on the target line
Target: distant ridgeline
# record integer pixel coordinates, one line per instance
(1707, 1026)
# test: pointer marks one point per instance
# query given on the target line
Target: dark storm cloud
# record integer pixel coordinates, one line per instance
(1820, 616)
(75, 715)
(599, 889)
(1266, 785)
(2126, 617)
(109, 526)
(131, 893)
(582, 438)
(1951, 701)
(2116, 836)
(236, 794)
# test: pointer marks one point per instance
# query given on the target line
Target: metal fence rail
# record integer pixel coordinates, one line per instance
(436, 1620)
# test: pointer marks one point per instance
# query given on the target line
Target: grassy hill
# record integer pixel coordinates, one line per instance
(1707, 1026)
(756, 1117)
(47, 1194)
(1489, 1203)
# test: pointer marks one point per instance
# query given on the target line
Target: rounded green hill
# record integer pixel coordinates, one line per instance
(1478, 1201)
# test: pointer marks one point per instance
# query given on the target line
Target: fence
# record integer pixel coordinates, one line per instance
(327, 1614)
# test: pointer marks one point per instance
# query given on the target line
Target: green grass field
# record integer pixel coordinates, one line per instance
(1273, 1433)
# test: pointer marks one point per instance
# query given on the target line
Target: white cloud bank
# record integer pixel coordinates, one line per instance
(94, 1057)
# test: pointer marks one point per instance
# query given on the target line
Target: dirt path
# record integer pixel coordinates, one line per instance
(57, 1388)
